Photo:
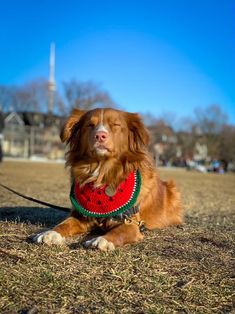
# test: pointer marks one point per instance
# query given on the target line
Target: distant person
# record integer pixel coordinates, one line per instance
(215, 165)
(224, 165)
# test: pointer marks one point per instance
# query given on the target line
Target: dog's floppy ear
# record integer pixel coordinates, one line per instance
(138, 134)
(69, 124)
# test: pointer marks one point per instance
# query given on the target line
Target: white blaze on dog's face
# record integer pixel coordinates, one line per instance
(107, 131)
(99, 138)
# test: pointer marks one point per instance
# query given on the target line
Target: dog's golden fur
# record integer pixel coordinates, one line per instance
(107, 157)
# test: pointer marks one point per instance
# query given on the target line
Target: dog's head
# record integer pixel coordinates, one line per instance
(103, 133)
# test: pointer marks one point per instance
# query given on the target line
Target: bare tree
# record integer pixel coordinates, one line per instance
(187, 141)
(169, 118)
(6, 97)
(186, 124)
(86, 95)
(32, 96)
(226, 149)
(149, 119)
(210, 119)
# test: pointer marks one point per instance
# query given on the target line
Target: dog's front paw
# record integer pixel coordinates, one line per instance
(49, 237)
(100, 243)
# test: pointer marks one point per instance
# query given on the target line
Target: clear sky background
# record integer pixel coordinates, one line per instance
(152, 56)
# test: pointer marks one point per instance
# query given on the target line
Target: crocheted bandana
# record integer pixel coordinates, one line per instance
(105, 202)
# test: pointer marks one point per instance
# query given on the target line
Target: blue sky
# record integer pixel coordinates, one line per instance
(152, 56)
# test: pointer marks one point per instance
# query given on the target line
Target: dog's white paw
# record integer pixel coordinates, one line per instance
(49, 237)
(100, 243)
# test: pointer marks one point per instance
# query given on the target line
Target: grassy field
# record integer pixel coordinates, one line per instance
(188, 269)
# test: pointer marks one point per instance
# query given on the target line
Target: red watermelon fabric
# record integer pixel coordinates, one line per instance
(95, 202)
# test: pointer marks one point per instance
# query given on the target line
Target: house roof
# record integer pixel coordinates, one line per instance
(13, 117)
(34, 119)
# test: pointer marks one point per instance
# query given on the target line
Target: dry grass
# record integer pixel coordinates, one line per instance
(177, 270)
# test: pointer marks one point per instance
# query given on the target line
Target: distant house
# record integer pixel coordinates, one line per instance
(164, 141)
(200, 152)
(28, 134)
(176, 148)
(15, 142)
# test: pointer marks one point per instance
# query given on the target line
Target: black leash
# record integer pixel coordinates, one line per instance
(65, 209)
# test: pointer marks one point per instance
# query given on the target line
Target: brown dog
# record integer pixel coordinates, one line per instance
(115, 184)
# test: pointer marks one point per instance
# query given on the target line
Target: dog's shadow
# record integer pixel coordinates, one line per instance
(47, 217)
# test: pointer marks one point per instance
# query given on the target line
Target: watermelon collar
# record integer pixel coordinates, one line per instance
(97, 202)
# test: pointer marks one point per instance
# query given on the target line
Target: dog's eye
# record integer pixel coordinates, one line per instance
(116, 124)
(90, 125)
